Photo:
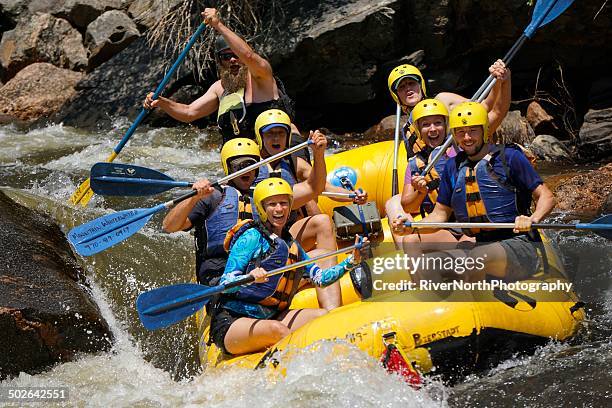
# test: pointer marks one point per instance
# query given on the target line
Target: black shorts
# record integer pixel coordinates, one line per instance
(220, 323)
(522, 259)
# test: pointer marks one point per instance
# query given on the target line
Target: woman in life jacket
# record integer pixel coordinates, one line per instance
(312, 231)
(213, 213)
(488, 182)
(251, 318)
(420, 192)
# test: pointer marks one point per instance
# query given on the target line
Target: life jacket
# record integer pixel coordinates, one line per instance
(232, 208)
(279, 290)
(417, 164)
(481, 195)
(286, 169)
(235, 118)
(412, 142)
(210, 255)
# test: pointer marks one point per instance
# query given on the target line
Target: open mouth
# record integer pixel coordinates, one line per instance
(278, 218)
(276, 145)
(246, 178)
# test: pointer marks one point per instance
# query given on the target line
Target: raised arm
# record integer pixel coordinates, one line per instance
(259, 68)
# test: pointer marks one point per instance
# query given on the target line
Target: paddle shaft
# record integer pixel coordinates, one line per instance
(84, 192)
(332, 194)
(172, 203)
(188, 299)
(394, 180)
(505, 225)
(486, 87)
(137, 180)
(160, 88)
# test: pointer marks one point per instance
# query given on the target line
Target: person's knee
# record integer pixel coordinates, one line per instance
(278, 330)
(322, 223)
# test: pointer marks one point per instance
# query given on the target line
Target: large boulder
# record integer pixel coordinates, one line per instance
(47, 314)
(385, 129)
(514, 129)
(595, 137)
(107, 35)
(549, 148)
(37, 91)
(585, 192)
(147, 13)
(540, 121)
(79, 12)
(44, 38)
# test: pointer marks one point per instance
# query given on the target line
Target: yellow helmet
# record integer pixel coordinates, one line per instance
(401, 72)
(470, 114)
(239, 147)
(429, 107)
(269, 119)
(267, 188)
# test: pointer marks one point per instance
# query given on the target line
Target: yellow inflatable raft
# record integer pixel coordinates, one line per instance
(455, 331)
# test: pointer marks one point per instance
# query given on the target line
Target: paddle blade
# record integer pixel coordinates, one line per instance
(544, 12)
(601, 226)
(116, 179)
(162, 307)
(104, 232)
(82, 194)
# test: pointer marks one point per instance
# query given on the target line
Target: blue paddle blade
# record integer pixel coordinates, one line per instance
(162, 307)
(337, 177)
(544, 12)
(601, 226)
(104, 232)
(116, 179)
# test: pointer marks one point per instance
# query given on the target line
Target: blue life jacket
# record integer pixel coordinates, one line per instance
(481, 195)
(286, 169)
(232, 208)
(278, 291)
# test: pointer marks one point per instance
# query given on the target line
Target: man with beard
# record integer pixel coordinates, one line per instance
(246, 88)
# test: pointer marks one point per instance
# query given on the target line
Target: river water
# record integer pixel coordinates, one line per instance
(41, 169)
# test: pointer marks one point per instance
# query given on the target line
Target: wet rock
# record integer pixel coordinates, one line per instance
(43, 39)
(540, 121)
(37, 91)
(147, 13)
(514, 129)
(549, 148)
(385, 129)
(595, 137)
(47, 315)
(585, 192)
(107, 35)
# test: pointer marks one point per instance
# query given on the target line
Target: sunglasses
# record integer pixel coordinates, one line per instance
(234, 167)
(226, 56)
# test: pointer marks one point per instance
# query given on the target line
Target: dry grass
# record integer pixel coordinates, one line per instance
(254, 20)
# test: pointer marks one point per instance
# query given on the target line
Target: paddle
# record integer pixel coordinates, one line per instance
(332, 194)
(104, 232)
(116, 179)
(544, 12)
(394, 180)
(601, 226)
(167, 305)
(83, 193)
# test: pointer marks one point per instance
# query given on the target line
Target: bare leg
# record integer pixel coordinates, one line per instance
(318, 232)
(248, 335)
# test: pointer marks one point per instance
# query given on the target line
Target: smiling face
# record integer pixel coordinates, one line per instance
(275, 140)
(433, 130)
(409, 92)
(469, 138)
(277, 209)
